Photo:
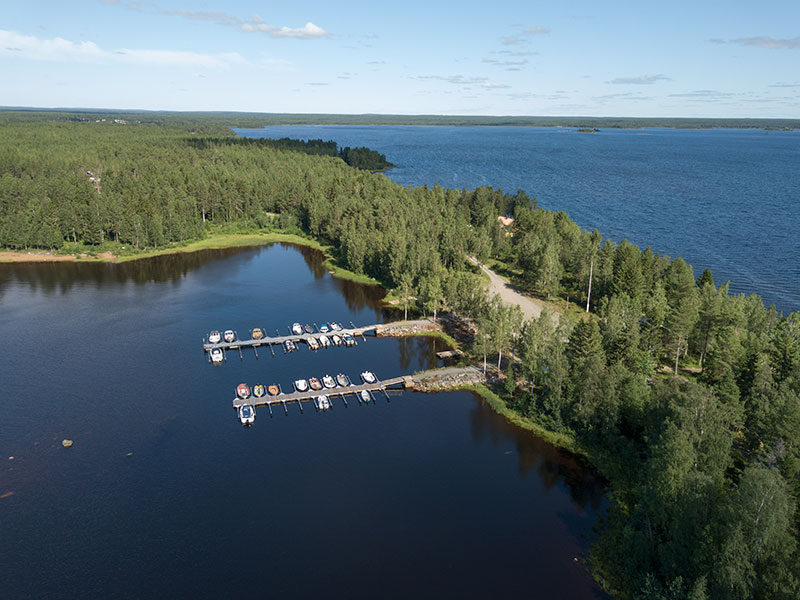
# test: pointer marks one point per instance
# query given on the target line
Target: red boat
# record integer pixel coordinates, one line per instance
(243, 391)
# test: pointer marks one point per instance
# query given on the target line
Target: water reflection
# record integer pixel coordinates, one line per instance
(551, 464)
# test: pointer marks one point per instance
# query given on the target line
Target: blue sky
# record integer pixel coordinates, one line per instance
(704, 58)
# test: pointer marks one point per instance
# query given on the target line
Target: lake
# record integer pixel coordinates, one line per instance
(165, 494)
(725, 199)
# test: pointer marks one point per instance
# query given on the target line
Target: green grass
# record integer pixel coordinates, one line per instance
(562, 440)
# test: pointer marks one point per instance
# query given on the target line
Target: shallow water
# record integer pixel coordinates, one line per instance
(164, 493)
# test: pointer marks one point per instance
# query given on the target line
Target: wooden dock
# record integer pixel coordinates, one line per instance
(280, 339)
(332, 393)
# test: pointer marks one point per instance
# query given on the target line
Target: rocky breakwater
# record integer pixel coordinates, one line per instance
(446, 379)
(406, 328)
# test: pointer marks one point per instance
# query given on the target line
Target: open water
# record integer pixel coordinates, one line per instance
(724, 199)
(164, 494)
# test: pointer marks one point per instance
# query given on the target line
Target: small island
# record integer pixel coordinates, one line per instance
(588, 130)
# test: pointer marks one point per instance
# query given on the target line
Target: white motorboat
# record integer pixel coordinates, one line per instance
(323, 328)
(214, 337)
(216, 355)
(243, 391)
(368, 377)
(297, 329)
(329, 382)
(313, 343)
(335, 326)
(365, 396)
(229, 336)
(323, 403)
(247, 414)
(337, 341)
(343, 380)
(348, 340)
(289, 345)
(324, 341)
(301, 385)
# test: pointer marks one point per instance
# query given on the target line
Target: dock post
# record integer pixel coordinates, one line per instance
(344, 399)
(315, 327)
(358, 397)
(286, 410)
(224, 355)
(240, 353)
(256, 351)
(385, 393)
(300, 404)
(271, 350)
(269, 406)
(371, 396)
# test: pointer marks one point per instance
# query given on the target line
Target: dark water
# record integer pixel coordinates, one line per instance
(724, 199)
(164, 494)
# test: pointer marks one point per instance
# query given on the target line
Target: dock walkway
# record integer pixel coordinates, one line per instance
(280, 339)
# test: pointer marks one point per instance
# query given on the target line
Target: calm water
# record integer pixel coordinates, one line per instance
(724, 199)
(164, 494)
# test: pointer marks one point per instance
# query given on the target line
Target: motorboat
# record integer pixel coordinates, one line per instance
(247, 414)
(313, 343)
(273, 390)
(328, 381)
(365, 396)
(336, 326)
(297, 329)
(258, 390)
(314, 384)
(337, 341)
(348, 340)
(301, 385)
(216, 355)
(368, 377)
(323, 403)
(229, 336)
(243, 391)
(324, 341)
(342, 380)
(257, 334)
(308, 328)
(324, 328)
(289, 346)
(214, 337)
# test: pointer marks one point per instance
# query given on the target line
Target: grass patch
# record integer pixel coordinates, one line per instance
(562, 440)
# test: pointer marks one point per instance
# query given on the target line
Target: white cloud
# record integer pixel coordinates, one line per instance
(639, 80)
(61, 50)
(308, 31)
(768, 42)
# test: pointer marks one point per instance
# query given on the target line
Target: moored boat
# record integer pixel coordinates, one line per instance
(297, 329)
(314, 384)
(229, 335)
(247, 414)
(301, 385)
(273, 390)
(337, 341)
(243, 391)
(323, 403)
(258, 390)
(313, 343)
(324, 328)
(257, 334)
(342, 379)
(324, 341)
(289, 345)
(214, 337)
(335, 326)
(365, 396)
(348, 340)
(368, 377)
(308, 328)
(216, 355)
(328, 381)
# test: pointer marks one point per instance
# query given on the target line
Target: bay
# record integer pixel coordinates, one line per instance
(723, 199)
(165, 494)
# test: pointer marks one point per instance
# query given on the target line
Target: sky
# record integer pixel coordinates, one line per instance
(699, 58)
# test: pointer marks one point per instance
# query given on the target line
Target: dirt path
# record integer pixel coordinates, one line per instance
(42, 256)
(531, 307)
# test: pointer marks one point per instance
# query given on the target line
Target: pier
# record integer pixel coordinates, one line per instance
(379, 387)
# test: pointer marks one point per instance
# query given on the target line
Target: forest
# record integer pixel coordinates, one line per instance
(686, 397)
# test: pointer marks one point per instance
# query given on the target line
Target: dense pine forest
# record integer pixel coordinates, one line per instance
(686, 397)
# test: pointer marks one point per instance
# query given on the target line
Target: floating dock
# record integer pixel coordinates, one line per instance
(278, 340)
(380, 386)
